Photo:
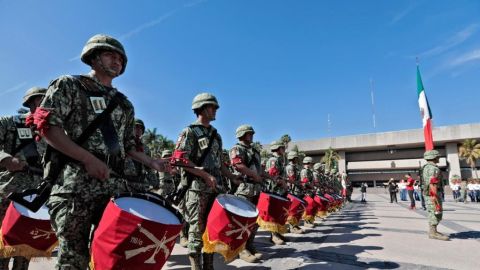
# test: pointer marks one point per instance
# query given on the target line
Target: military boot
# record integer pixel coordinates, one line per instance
(195, 261)
(297, 230)
(308, 224)
(434, 234)
(276, 239)
(208, 261)
(183, 239)
(247, 256)
(252, 248)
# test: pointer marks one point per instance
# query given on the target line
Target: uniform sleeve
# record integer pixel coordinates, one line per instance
(58, 101)
(3, 136)
(273, 168)
(304, 176)
(185, 144)
(235, 156)
(290, 173)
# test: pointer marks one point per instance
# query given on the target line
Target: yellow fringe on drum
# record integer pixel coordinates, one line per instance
(322, 214)
(23, 250)
(271, 226)
(221, 248)
(292, 221)
(309, 218)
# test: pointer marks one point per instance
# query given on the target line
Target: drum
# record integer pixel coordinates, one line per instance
(137, 231)
(310, 210)
(230, 222)
(26, 233)
(332, 202)
(273, 212)
(322, 206)
(295, 212)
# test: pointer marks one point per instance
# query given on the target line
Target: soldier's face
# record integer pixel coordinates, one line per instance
(36, 101)
(138, 131)
(112, 62)
(248, 137)
(210, 112)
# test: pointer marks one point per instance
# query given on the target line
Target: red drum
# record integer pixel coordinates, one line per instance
(333, 203)
(310, 210)
(273, 212)
(229, 225)
(26, 233)
(295, 212)
(322, 206)
(137, 231)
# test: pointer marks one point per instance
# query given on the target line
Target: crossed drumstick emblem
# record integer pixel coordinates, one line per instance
(241, 228)
(157, 245)
(38, 233)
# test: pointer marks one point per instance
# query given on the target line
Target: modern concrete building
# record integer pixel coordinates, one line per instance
(379, 156)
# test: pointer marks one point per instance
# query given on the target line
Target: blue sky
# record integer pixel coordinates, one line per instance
(281, 66)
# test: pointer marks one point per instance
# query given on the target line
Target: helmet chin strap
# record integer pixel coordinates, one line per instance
(107, 70)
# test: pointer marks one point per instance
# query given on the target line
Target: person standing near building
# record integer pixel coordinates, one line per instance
(392, 189)
(363, 189)
(432, 178)
(402, 186)
(409, 187)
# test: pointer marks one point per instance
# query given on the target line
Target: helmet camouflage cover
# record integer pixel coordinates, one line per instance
(431, 154)
(106, 43)
(275, 145)
(317, 166)
(244, 129)
(33, 92)
(307, 160)
(291, 155)
(203, 99)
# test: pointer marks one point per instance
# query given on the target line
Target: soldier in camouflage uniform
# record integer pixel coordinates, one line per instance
(276, 184)
(139, 178)
(432, 177)
(94, 171)
(245, 160)
(306, 176)
(166, 186)
(20, 159)
(295, 185)
(200, 140)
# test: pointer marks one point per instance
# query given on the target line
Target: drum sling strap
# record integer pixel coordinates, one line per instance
(44, 189)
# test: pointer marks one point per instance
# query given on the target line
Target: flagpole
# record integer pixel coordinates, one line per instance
(372, 87)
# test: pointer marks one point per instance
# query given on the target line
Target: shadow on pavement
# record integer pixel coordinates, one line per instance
(466, 235)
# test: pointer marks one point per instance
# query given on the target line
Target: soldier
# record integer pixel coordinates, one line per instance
(140, 178)
(20, 159)
(94, 171)
(306, 176)
(199, 145)
(275, 168)
(166, 186)
(245, 160)
(432, 178)
(295, 186)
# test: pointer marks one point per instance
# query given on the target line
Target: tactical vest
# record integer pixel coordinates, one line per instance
(24, 142)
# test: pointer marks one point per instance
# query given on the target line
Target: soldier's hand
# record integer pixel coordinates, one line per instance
(212, 182)
(161, 165)
(13, 164)
(97, 169)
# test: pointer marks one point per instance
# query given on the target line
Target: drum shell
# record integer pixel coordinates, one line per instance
(22, 235)
(272, 209)
(322, 206)
(296, 209)
(118, 234)
(221, 224)
(311, 208)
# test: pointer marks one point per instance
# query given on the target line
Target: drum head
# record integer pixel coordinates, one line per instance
(41, 214)
(297, 198)
(237, 205)
(147, 210)
(277, 197)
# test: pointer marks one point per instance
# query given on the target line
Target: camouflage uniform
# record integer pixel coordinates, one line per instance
(166, 180)
(77, 200)
(292, 171)
(200, 196)
(20, 180)
(431, 175)
(275, 167)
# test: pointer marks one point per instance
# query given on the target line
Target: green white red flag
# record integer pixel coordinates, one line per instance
(425, 112)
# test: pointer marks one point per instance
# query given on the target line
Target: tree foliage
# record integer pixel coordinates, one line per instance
(470, 152)
(157, 142)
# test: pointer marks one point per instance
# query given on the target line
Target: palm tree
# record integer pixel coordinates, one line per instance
(470, 151)
(156, 142)
(286, 139)
(301, 154)
(330, 159)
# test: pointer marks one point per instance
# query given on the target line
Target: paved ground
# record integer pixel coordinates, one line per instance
(372, 235)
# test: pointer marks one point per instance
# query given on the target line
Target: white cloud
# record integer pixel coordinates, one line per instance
(20, 86)
(453, 41)
(403, 13)
(465, 58)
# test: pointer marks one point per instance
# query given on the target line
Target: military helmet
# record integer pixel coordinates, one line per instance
(317, 166)
(307, 160)
(33, 92)
(203, 99)
(103, 42)
(244, 129)
(291, 155)
(139, 122)
(275, 145)
(166, 153)
(431, 155)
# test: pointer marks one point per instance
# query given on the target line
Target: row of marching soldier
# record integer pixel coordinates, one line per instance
(78, 153)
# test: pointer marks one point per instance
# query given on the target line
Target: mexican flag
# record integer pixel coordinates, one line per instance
(425, 111)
